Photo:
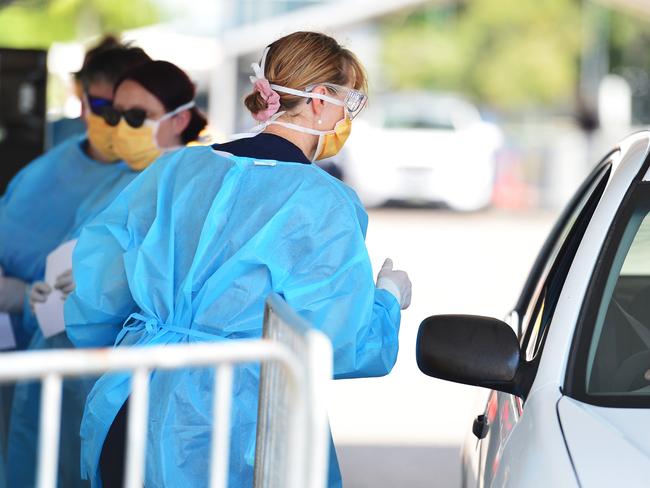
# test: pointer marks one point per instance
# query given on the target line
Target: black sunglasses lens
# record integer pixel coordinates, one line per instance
(135, 117)
(98, 104)
(111, 116)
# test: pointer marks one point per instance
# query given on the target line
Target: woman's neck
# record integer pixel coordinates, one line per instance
(305, 142)
(94, 154)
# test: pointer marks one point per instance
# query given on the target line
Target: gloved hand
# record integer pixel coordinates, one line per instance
(38, 293)
(12, 294)
(396, 282)
(65, 283)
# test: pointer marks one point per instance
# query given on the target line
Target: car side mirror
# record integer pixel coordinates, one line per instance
(479, 351)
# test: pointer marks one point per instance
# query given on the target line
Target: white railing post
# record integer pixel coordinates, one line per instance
(48, 444)
(292, 450)
(319, 368)
(138, 415)
(220, 450)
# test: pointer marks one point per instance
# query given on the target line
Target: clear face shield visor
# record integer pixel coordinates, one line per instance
(352, 100)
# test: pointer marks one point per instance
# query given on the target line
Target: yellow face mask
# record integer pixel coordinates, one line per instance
(100, 136)
(331, 142)
(136, 146)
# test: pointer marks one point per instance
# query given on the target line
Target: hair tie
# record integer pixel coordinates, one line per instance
(270, 96)
(262, 86)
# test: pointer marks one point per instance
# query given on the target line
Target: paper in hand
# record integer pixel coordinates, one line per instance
(7, 338)
(50, 314)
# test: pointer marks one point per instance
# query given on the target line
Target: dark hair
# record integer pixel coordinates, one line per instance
(110, 64)
(107, 42)
(172, 87)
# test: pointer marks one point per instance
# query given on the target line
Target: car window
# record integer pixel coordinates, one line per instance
(618, 361)
(541, 306)
(557, 236)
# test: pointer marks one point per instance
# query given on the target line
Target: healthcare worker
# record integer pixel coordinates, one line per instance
(153, 112)
(65, 128)
(69, 185)
(40, 204)
(192, 248)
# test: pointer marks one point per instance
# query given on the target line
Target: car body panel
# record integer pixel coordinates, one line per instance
(470, 453)
(514, 457)
(593, 434)
(503, 414)
(539, 460)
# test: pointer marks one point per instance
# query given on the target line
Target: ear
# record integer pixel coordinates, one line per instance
(181, 121)
(317, 105)
(80, 94)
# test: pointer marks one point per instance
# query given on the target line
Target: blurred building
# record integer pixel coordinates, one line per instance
(245, 28)
(215, 41)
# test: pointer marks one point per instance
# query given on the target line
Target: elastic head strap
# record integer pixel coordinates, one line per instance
(263, 63)
(300, 128)
(177, 110)
(259, 68)
(306, 94)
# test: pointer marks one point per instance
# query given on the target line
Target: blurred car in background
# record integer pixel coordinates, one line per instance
(569, 399)
(422, 147)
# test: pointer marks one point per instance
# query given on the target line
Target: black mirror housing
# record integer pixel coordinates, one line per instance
(473, 350)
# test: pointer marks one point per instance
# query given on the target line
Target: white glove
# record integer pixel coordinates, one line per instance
(396, 282)
(38, 293)
(65, 283)
(12, 294)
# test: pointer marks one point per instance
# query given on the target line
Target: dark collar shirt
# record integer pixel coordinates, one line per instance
(264, 146)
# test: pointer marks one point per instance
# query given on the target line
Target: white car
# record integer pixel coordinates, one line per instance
(569, 404)
(422, 148)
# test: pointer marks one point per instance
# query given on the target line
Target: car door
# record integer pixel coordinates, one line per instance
(531, 317)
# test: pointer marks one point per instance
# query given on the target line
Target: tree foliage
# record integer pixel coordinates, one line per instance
(508, 53)
(629, 57)
(38, 23)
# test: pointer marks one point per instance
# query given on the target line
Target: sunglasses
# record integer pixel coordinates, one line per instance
(103, 107)
(135, 117)
(97, 104)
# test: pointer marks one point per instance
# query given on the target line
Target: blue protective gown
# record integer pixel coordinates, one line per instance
(189, 251)
(99, 191)
(38, 210)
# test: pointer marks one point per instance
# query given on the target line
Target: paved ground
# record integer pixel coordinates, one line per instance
(404, 430)
(400, 466)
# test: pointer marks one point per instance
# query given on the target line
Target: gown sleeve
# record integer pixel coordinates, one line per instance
(332, 286)
(102, 300)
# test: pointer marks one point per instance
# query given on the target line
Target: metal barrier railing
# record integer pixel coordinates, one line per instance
(296, 367)
(275, 455)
